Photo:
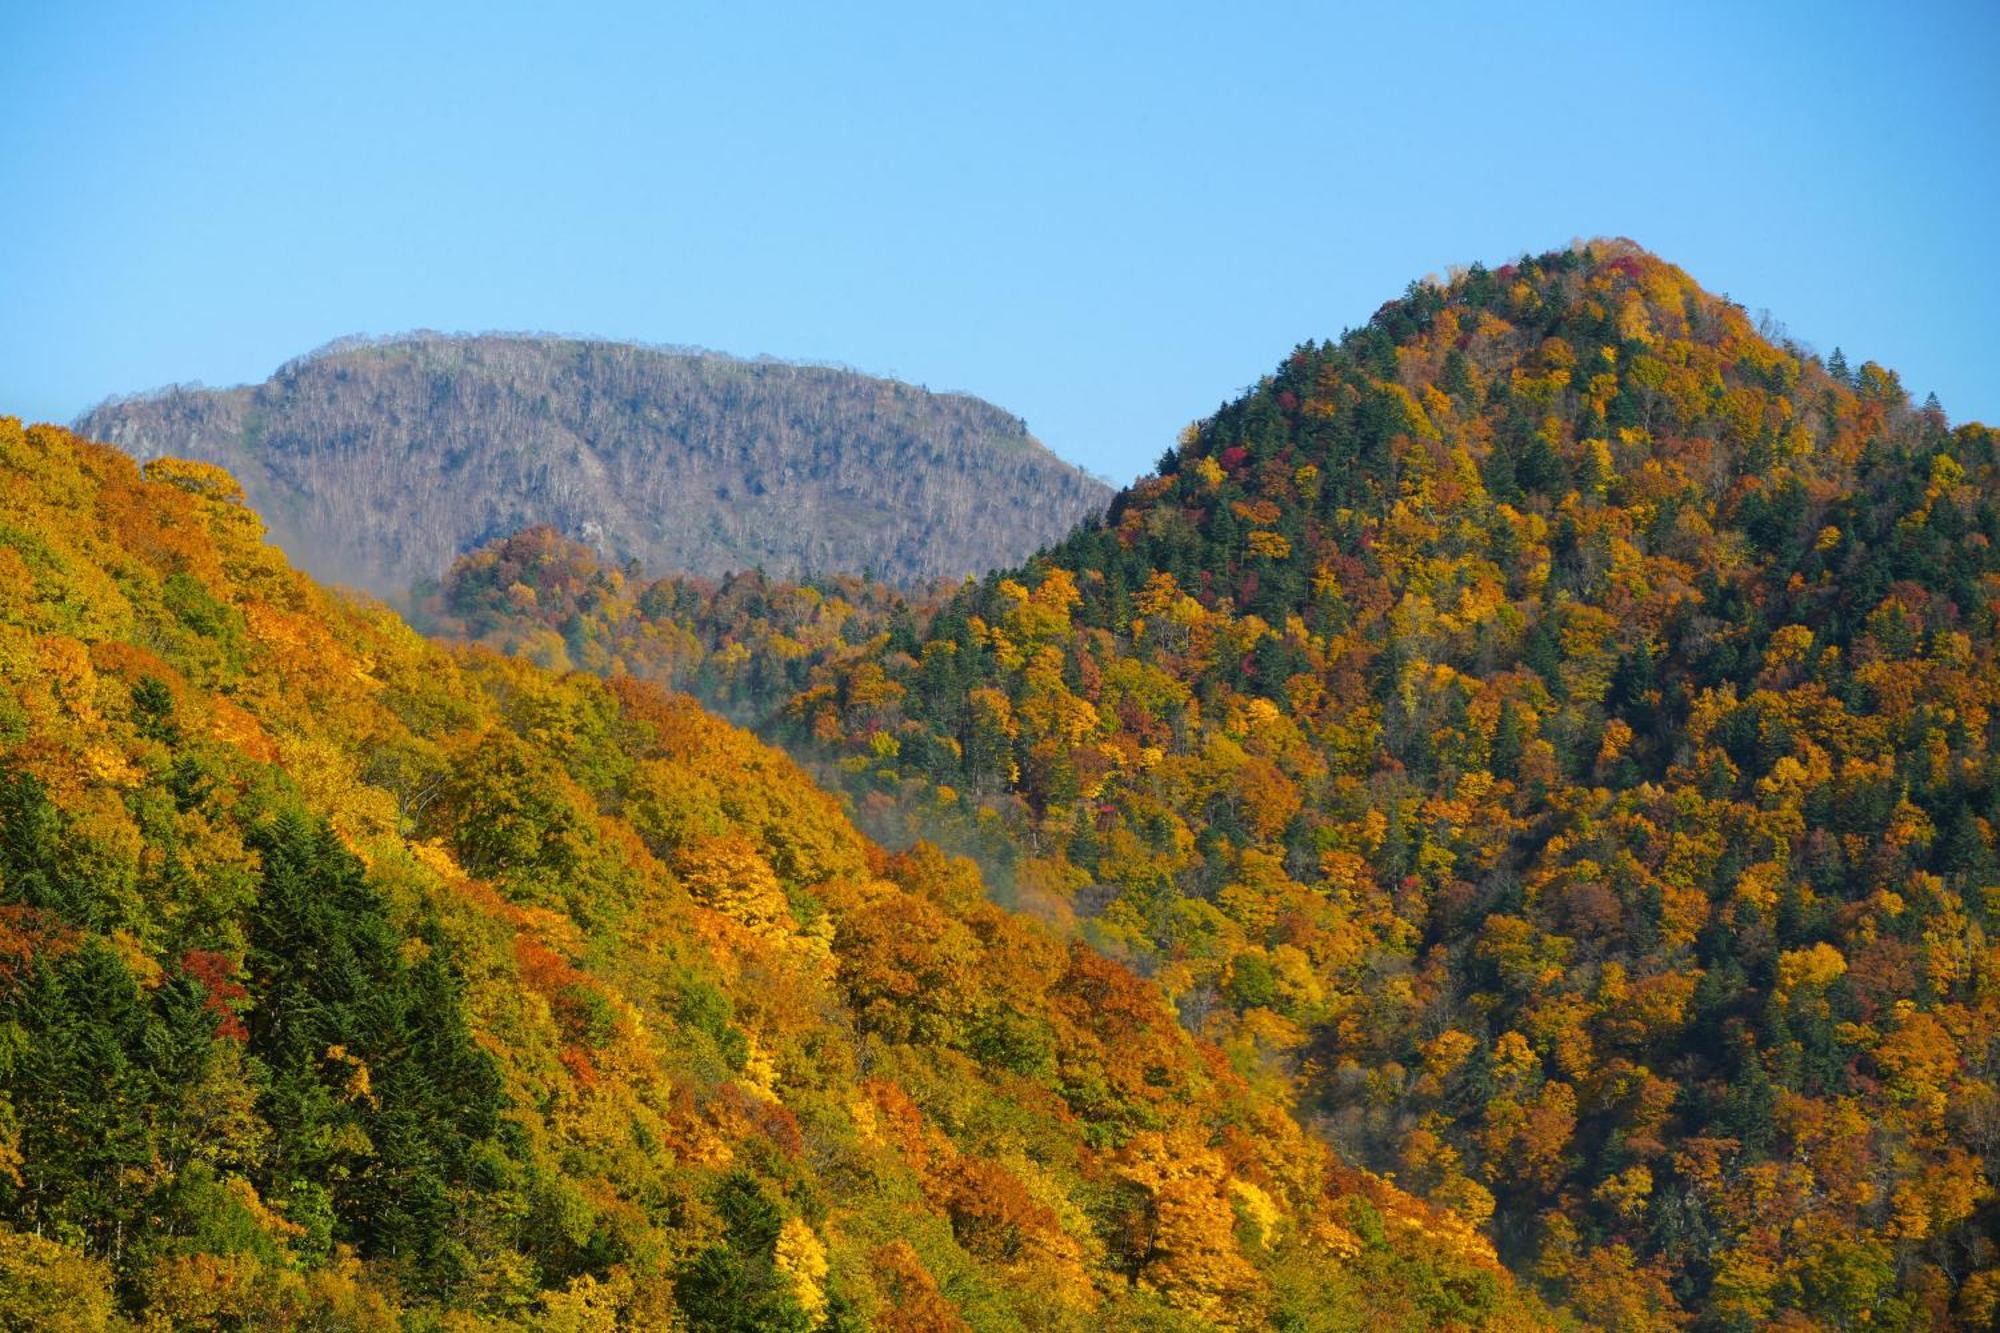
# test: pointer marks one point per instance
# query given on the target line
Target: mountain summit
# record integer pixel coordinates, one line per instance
(378, 463)
(1550, 730)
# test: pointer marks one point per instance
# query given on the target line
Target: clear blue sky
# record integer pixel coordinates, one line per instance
(1106, 221)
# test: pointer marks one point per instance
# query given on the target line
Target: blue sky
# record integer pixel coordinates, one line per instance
(1107, 219)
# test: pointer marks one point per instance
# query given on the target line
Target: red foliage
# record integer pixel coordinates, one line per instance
(569, 992)
(770, 1119)
(131, 663)
(577, 1061)
(216, 973)
(542, 968)
(24, 933)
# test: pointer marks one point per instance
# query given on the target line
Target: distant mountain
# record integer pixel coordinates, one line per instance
(377, 463)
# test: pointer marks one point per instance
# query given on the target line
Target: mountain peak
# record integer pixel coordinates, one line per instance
(1598, 376)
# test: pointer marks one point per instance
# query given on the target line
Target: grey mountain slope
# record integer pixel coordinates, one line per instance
(377, 464)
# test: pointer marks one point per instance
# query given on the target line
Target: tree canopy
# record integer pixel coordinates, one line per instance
(1545, 736)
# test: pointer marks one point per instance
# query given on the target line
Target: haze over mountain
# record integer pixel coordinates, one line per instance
(376, 463)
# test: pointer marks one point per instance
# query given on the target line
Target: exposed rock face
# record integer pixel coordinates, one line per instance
(378, 463)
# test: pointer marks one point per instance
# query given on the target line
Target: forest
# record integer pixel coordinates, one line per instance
(1544, 739)
(353, 981)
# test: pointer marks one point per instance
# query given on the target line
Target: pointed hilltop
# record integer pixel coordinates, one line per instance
(1548, 731)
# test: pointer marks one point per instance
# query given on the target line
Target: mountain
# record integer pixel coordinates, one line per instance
(378, 463)
(348, 981)
(1549, 734)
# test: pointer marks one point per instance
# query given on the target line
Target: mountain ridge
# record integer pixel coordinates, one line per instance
(378, 461)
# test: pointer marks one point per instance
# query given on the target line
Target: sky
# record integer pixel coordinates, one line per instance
(1108, 219)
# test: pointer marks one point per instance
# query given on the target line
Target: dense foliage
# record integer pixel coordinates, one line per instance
(351, 982)
(379, 463)
(1549, 733)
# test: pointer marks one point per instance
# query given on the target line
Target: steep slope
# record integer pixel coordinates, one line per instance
(1553, 728)
(348, 982)
(377, 464)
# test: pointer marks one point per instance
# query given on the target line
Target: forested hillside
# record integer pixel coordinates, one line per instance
(351, 982)
(378, 463)
(1548, 732)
